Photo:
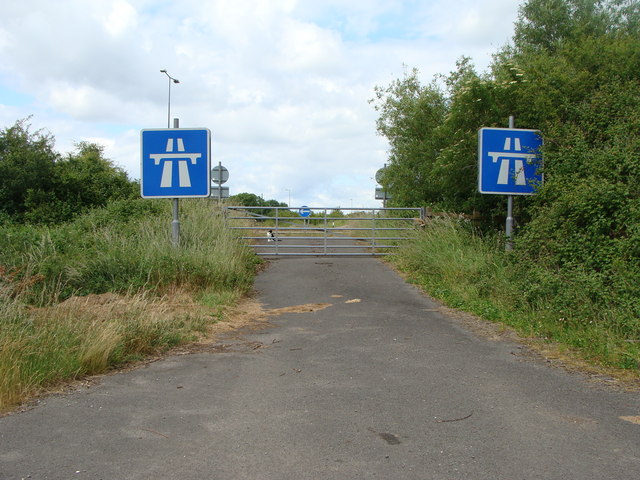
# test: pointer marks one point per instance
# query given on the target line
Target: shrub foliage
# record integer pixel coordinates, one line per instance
(571, 71)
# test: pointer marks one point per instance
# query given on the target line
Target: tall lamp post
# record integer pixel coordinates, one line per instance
(171, 80)
(175, 224)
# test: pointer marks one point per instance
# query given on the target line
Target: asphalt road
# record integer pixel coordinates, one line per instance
(378, 384)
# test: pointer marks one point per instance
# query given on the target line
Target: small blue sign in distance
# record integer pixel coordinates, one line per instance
(175, 163)
(304, 211)
(509, 161)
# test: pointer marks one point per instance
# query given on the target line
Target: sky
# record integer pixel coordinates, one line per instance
(283, 85)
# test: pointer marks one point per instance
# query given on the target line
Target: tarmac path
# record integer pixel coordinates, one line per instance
(363, 377)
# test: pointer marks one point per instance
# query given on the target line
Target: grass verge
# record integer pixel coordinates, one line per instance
(109, 289)
(475, 274)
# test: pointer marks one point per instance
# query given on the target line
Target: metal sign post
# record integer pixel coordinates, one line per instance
(220, 182)
(508, 228)
(175, 223)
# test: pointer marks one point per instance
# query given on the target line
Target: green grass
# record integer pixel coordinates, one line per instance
(474, 273)
(110, 288)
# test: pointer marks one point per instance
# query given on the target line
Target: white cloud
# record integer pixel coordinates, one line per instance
(121, 17)
(282, 84)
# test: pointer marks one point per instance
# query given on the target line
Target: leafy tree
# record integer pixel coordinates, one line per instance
(252, 200)
(27, 161)
(410, 116)
(37, 185)
(246, 199)
(571, 72)
(433, 137)
(82, 180)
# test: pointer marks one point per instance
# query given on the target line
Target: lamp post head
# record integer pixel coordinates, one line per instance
(171, 79)
(174, 80)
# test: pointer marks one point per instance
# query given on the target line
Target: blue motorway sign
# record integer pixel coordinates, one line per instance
(175, 163)
(509, 160)
(304, 211)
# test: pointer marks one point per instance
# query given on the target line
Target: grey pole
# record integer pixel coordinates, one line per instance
(175, 224)
(325, 231)
(277, 235)
(171, 80)
(509, 225)
(219, 182)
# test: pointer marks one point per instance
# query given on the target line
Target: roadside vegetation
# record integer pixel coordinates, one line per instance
(89, 277)
(572, 72)
(109, 288)
(471, 271)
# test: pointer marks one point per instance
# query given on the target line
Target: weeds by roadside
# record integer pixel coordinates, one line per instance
(109, 288)
(474, 273)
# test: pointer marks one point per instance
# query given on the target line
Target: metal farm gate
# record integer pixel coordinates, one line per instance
(279, 231)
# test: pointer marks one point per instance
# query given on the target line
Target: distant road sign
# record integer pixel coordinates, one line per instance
(381, 194)
(304, 211)
(508, 161)
(175, 163)
(219, 174)
(219, 192)
(380, 175)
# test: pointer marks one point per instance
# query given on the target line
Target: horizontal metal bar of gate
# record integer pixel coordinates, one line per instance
(276, 231)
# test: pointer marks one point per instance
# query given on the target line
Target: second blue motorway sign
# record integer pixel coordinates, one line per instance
(509, 161)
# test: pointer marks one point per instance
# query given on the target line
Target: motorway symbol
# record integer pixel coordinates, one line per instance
(508, 161)
(175, 163)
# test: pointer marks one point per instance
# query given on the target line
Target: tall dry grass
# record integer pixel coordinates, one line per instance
(110, 288)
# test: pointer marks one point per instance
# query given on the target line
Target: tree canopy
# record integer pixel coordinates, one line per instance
(38, 185)
(572, 71)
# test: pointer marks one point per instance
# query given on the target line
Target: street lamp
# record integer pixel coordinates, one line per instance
(174, 80)
(175, 224)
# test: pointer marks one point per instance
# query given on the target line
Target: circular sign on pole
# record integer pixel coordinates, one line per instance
(380, 175)
(304, 211)
(219, 174)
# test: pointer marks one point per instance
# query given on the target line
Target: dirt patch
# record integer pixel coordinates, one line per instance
(227, 335)
(310, 307)
(634, 420)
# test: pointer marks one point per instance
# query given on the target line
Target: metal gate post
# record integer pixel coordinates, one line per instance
(277, 235)
(325, 231)
(373, 231)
